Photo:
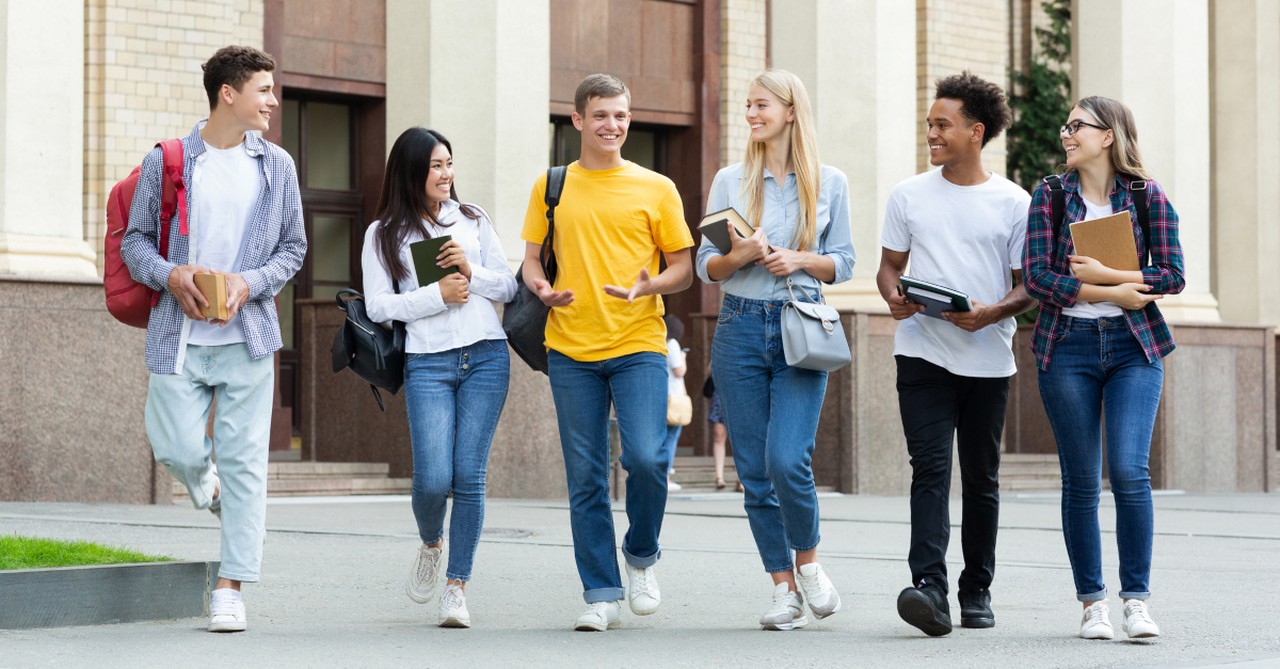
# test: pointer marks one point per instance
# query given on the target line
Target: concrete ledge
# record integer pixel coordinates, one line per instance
(102, 594)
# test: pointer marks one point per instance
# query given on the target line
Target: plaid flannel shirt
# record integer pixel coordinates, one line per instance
(273, 250)
(1047, 273)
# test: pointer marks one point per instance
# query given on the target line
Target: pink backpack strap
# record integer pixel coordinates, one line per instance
(174, 197)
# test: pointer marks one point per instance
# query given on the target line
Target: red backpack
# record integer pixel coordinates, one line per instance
(129, 301)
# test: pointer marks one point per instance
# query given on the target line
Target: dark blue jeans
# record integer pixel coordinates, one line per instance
(1098, 371)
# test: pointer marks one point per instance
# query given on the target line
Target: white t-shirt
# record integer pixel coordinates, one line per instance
(224, 190)
(967, 238)
(675, 360)
(1094, 310)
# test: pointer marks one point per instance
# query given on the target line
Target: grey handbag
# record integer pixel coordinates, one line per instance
(812, 337)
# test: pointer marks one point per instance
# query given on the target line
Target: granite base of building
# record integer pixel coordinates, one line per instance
(104, 594)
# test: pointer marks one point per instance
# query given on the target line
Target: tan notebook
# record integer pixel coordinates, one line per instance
(1109, 240)
(214, 289)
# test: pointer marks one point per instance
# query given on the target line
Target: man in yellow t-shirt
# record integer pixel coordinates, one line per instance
(606, 342)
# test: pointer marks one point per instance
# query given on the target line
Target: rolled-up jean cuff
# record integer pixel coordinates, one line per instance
(1093, 597)
(642, 562)
(776, 570)
(238, 577)
(800, 549)
(602, 595)
(1144, 596)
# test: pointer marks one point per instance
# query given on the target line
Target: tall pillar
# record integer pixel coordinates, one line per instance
(42, 140)
(1153, 56)
(858, 61)
(1245, 57)
(479, 73)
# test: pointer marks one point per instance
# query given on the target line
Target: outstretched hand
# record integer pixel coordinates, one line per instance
(550, 296)
(643, 286)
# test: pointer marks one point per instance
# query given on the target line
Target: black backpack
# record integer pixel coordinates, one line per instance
(374, 353)
(524, 319)
(1137, 187)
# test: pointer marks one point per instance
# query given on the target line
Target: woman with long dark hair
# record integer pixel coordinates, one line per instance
(1098, 342)
(456, 364)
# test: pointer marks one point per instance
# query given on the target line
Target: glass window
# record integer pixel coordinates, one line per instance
(331, 248)
(328, 134)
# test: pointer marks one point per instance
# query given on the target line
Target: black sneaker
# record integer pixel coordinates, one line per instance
(926, 607)
(975, 609)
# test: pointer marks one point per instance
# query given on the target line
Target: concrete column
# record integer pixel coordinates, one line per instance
(1153, 56)
(479, 73)
(1245, 57)
(858, 61)
(42, 140)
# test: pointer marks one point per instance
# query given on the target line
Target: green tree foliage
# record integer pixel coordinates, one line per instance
(1042, 100)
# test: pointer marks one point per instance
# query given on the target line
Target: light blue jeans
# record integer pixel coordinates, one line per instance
(636, 385)
(176, 415)
(1098, 369)
(453, 400)
(771, 410)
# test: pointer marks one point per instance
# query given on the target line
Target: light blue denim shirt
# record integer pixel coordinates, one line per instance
(780, 213)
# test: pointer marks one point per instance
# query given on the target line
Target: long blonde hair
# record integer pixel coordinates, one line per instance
(788, 88)
(1116, 116)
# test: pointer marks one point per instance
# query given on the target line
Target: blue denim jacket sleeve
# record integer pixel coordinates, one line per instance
(836, 241)
(717, 199)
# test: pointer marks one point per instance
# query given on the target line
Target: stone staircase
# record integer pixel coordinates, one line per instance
(293, 479)
(1029, 472)
(698, 473)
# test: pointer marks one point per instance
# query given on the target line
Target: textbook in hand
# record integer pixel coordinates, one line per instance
(716, 226)
(424, 260)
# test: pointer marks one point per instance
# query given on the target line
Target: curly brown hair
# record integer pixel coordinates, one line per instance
(980, 101)
(233, 65)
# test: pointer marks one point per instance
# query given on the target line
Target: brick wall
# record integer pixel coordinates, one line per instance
(956, 35)
(143, 81)
(743, 47)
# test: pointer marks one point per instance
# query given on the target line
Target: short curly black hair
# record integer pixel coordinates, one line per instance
(233, 65)
(980, 101)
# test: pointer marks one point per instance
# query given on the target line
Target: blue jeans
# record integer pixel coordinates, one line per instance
(176, 415)
(669, 444)
(636, 385)
(453, 400)
(771, 410)
(1099, 370)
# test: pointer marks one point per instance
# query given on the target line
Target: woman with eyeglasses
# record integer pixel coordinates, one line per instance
(1098, 343)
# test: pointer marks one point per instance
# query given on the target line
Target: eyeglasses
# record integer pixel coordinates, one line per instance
(1074, 127)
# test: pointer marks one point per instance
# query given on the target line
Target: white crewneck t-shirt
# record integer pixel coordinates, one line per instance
(1094, 310)
(225, 187)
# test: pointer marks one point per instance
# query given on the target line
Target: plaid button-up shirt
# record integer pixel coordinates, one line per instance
(1047, 272)
(273, 249)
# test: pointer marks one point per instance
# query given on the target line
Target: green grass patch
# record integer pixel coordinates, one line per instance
(17, 552)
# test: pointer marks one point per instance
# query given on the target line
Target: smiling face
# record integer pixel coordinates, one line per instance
(603, 124)
(253, 104)
(1087, 145)
(951, 135)
(439, 176)
(767, 116)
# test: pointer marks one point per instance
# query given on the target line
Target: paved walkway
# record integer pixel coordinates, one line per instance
(334, 591)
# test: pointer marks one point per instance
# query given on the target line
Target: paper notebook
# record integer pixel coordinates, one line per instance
(1109, 240)
(424, 260)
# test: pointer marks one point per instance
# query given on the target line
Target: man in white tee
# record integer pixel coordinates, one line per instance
(961, 227)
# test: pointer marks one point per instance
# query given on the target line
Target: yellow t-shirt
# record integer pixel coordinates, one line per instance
(609, 224)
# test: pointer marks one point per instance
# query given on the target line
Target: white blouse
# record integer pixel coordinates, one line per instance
(432, 325)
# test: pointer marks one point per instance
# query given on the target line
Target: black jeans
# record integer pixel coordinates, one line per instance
(937, 407)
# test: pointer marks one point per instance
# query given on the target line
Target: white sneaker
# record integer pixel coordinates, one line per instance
(453, 607)
(1137, 621)
(600, 616)
(226, 611)
(818, 592)
(787, 611)
(1096, 623)
(672, 486)
(426, 571)
(643, 593)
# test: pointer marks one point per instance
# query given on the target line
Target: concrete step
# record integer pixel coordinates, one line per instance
(286, 470)
(1030, 472)
(295, 479)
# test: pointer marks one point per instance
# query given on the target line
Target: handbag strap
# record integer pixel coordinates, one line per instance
(822, 299)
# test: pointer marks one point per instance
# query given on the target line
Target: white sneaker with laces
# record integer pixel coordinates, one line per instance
(600, 616)
(426, 571)
(1137, 621)
(226, 611)
(1096, 623)
(643, 594)
(453, 607)
(787, 611)
(818, 591)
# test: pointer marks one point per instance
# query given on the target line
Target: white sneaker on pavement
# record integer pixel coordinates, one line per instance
(600, 616)
(787, 611)
(426, 571)
(226, 611)
(643, 594)
(453, 607)
(818, 591)
(1137, 620)
(1096, 623)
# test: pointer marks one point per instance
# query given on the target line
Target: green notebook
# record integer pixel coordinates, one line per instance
(424, 260)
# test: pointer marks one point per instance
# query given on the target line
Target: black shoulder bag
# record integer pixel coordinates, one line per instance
(524, 319)
(1137, 188)
(373, 352)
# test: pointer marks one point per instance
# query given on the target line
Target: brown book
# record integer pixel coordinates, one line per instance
(214, 289)
(1109, 240)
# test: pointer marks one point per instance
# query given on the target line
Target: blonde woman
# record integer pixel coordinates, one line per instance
(800, 211)
(1099, 342)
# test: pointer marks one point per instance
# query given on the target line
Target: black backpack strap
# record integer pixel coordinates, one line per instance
(1138, 189)
(1057, 201)
(555, 186)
